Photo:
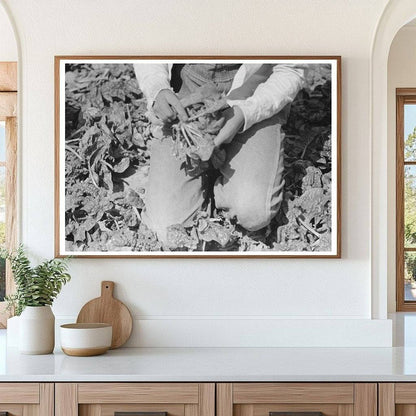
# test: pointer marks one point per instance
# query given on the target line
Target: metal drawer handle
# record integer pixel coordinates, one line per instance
(296, 414)
(137, 414)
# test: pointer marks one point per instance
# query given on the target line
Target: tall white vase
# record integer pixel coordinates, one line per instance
(37, 330)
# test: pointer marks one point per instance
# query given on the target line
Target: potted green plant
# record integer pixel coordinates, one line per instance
(36, 289)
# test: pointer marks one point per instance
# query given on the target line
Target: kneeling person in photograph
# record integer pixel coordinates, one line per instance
(250, 184)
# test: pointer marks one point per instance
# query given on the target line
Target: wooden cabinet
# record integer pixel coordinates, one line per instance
(208, 399)
(106, 399)
(297, 399)
(27, 399)
(397, 399)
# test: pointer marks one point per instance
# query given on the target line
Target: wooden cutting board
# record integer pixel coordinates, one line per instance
(107, 309)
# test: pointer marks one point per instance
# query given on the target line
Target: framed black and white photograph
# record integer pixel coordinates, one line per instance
(198, 156)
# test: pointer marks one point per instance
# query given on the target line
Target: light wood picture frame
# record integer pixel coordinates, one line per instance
(252, 169)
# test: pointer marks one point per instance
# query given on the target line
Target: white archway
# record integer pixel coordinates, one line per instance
(5, 10)
(8, 51)
(396, 14)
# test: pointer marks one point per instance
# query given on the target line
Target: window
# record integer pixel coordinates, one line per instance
(8, 170)
(406, 199)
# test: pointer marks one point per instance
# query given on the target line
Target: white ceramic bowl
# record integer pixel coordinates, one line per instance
(83, 340)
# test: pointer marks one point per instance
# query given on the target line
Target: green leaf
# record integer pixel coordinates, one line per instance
(35, 286)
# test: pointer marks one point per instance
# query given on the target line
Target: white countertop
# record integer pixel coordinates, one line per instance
(222, 364)
(213, 364)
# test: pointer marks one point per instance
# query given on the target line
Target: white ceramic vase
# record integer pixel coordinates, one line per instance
(37, 330)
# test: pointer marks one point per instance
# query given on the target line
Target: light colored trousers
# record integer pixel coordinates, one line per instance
(250, 185)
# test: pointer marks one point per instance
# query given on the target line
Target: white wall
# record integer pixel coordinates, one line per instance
(8, 47)
(401, 74)
(183, 299)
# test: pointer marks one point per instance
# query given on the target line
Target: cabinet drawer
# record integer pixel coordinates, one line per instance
(138, 393)
(297, 399)
(152, 399)
(22, 399)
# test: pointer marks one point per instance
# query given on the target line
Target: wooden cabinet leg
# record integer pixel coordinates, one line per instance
(207, 399)
(66, 399)
(224, 399)
(365, 399)
(386, 399)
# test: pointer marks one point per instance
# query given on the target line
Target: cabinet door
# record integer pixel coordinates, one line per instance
(26, 399)
(143, 399)
(397, 399)
(297, 399)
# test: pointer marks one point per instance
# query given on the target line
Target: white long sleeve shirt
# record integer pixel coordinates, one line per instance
(268, 99)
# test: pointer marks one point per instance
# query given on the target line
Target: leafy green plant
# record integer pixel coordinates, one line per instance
(35, 286)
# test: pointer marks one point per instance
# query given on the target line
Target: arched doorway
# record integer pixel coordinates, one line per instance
(396, 14)
(8, 148)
